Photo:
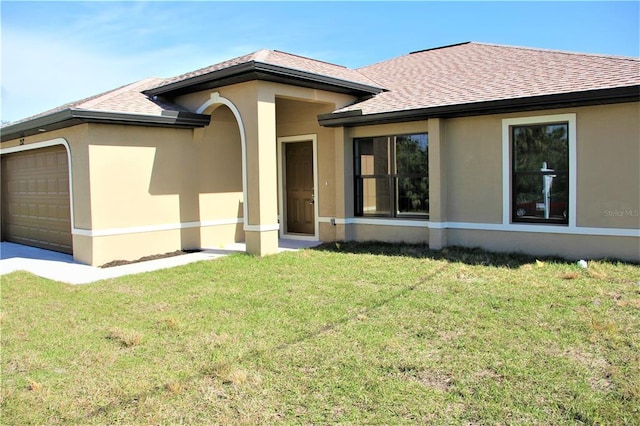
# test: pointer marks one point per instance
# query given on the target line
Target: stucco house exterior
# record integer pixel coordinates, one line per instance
(505, 148)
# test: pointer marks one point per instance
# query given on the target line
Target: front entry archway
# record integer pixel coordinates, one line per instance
(216, 99)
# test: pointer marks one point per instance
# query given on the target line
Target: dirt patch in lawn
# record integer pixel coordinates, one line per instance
(146, 258)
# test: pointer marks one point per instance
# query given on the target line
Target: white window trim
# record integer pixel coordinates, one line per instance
(570, 119)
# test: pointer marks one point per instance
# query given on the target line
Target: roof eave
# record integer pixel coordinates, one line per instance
(253, 70)
(71, 117)
(319, 79)
(563, 100)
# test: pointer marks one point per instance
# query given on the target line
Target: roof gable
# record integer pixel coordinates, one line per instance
(272, 65)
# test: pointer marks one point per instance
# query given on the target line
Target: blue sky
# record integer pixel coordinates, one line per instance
(57, 52)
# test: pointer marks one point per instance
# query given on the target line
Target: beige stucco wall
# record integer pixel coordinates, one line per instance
(608, 187)
(136, 176)
(219, 166)
(189, 183)
(156, 189)
(608, 176)
(239, 95)
(570, 247)
(607, 183)
(389, 233)
(608, 153)
(388, 129)
(470, 179)
(164, 176)
(472, 150)
(256, 107)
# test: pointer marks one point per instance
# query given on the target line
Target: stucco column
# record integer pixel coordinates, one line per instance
(437, 185)
(261, 225)
(344, 182)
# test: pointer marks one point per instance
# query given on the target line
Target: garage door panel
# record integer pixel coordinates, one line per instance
(35, 196)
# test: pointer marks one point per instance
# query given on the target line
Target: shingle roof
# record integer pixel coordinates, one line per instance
(124, 105)
(477, 72)
(125, 99)
(283, 59)
(454, 75)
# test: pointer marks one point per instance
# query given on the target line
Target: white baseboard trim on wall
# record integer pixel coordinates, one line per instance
(262, 228)
(154, 228)
(375, 221)
(537, 229)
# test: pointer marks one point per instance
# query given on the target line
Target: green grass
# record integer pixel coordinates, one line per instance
(349, 333)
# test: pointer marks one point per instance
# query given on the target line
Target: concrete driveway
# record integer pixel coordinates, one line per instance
(62, 267)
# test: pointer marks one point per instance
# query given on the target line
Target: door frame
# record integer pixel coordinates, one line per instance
(282, 193)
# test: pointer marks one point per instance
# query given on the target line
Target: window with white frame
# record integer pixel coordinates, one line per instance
(540, 168)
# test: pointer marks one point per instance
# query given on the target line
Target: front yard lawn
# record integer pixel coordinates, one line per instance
(348, 333)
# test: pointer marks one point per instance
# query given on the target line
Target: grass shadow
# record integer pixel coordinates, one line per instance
(453, 254)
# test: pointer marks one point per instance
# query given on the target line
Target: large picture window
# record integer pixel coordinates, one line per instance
(540, 173)
(391, 176)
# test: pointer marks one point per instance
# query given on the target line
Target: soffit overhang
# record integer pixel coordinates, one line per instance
(71, 117)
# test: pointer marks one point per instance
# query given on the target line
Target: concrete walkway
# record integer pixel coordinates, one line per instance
(62, 267)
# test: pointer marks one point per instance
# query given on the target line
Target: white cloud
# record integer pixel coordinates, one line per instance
(39, 73)
(58, 73)
(96, 48)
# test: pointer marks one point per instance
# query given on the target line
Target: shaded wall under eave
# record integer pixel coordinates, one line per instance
(295, 118)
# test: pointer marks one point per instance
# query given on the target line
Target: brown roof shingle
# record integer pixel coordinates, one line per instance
(477, 72)
(283, 59)
(125, 99)
(452, 75)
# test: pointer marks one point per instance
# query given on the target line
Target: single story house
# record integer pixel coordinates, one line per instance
(473, 144)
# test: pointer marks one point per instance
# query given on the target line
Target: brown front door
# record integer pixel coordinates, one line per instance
(299, 188)
(35, 199)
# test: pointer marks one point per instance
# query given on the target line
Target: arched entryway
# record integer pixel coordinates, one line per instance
(221, 192)
(256, 124)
